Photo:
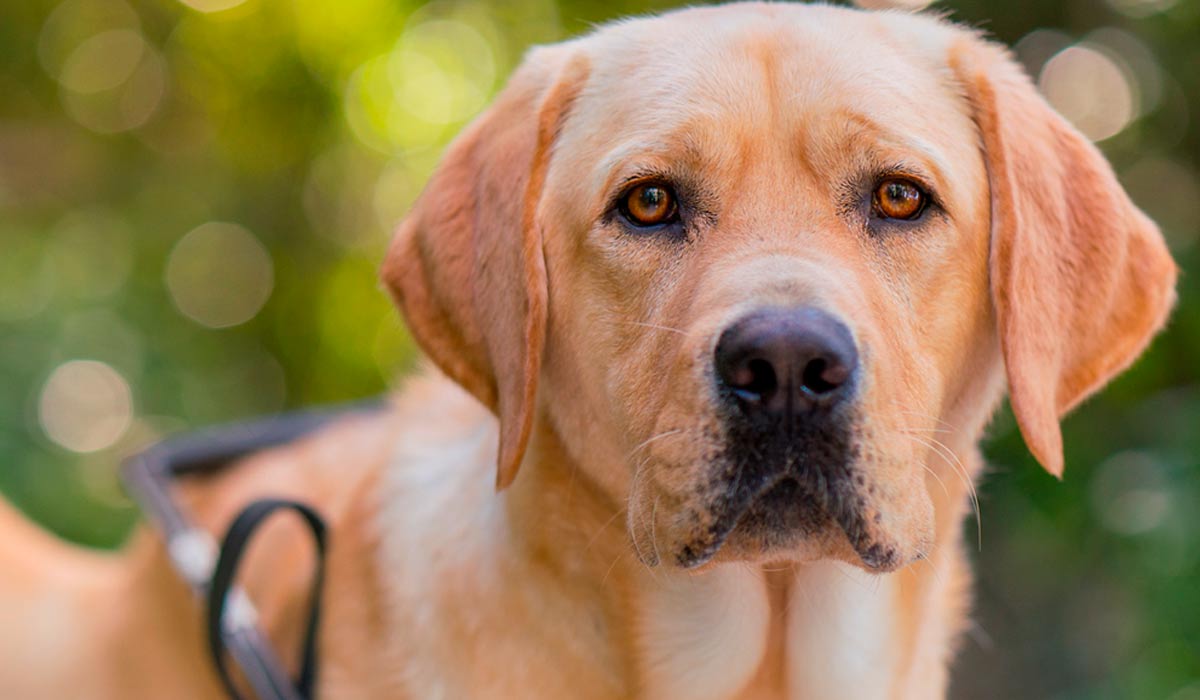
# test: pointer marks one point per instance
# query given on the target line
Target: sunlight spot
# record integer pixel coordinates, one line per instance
(1129, 494)
(103, 62)
(1090, 89)
(209, 6)
(439, 74)
(76, 22)
(1141, 8)
(1038, 46)
(219, 275)
(85, 406)
(443, 71)
(127, 106)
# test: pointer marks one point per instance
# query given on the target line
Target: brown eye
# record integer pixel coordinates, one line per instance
(649, 205)
(899, 199)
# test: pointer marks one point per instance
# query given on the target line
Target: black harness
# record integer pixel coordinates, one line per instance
(231, 619)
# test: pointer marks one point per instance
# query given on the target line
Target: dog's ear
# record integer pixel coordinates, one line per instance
(466, 266)
(1081, 279)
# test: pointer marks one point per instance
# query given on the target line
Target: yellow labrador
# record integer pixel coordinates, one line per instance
(721, 301)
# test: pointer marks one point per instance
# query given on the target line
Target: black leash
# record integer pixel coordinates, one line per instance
(231, 619)
(236, 539)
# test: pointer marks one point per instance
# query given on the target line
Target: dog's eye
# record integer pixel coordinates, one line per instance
(897, 198)
(649, 204)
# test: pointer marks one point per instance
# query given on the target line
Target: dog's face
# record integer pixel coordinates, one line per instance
(758, 256)
(766, 282)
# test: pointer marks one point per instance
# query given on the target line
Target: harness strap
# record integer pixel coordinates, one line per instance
(221, 622)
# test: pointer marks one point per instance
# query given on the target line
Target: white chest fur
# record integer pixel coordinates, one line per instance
(703, 637)
(840, 631)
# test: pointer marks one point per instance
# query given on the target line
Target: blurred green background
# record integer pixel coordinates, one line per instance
(195, 195)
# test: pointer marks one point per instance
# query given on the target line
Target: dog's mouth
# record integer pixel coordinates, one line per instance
(781, 510)
(776, 515)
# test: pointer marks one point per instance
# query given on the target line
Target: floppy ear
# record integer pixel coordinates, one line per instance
(466, 266)
(1081, 279)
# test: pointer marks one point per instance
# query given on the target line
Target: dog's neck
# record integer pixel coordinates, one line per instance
(551, 575)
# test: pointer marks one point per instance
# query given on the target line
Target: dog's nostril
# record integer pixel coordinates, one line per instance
(755, 380)
(822, 377)
(812, 378)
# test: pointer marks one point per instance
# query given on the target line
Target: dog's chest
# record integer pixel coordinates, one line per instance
(730, 634)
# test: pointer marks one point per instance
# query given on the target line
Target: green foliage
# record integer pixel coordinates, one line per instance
(312, 124)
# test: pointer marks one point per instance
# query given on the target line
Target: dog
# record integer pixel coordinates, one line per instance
(719, 302)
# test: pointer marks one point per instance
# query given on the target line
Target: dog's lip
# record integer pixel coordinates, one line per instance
(874, 554)
(694, 555)
(731, 517)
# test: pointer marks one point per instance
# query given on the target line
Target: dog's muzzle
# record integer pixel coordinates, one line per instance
(786, 378)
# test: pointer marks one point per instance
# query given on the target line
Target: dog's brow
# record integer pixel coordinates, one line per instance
(656, 156)
(886, 143)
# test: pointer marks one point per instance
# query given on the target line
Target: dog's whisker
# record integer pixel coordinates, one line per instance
(926, 557)
(657, 326)
(925, 466)
(918, 414)
(924, 430)
(934, 474)
(961, 472)
(654, 438)
(966, 475)
(603, 527)
(637, 523)
(608, 572)
(653, 525)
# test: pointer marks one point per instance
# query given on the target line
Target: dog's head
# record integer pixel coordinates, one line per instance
(747, 263)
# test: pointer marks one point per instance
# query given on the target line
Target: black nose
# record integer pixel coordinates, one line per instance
(778, 361)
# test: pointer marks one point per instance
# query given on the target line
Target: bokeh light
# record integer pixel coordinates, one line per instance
(1130, 493)
(110, 79)
(1090, 89)
(443, 71)
(1141, 8)
(1138, 63)
(85, 406)
(102, 334)
(73, 23)
(394, 191)
(114, 99)
(208, 6)
(440, 73)
(219, 275)
(102, 62)
(336, 197)
(1038, 46)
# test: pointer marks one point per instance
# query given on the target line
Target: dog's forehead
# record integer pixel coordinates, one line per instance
(767, 72)
(715, 57)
